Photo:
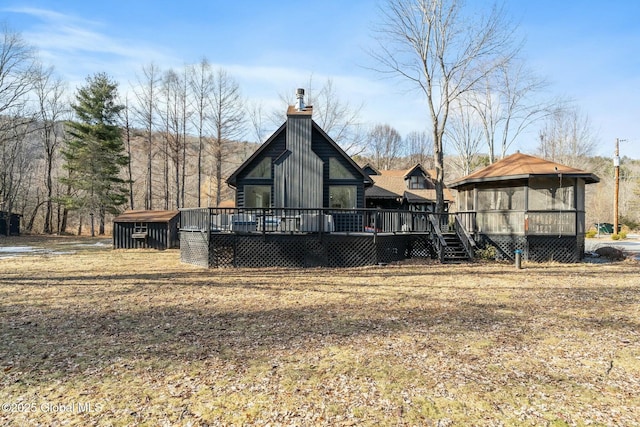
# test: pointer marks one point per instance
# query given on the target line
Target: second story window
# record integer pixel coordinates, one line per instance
(262, 169)
(338, 171)
(417, 182)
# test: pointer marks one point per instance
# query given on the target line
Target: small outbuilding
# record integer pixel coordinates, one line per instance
(9, 223)
(146, 229)
(528, 204)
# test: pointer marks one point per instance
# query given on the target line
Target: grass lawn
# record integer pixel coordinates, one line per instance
(134, 337)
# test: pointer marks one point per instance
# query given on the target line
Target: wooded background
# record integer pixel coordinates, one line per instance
(184, 131)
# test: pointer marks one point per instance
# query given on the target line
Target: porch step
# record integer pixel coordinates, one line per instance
(454, 252)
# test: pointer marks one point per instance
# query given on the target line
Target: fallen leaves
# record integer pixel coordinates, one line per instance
(159, 342)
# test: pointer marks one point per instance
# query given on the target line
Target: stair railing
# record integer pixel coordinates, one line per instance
(465, 237)
(437, 237)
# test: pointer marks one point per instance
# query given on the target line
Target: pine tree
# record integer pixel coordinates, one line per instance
(95, 153)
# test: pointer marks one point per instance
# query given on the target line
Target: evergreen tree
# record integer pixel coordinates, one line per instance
(95, 153)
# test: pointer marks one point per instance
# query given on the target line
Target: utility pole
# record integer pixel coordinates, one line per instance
(616, 189)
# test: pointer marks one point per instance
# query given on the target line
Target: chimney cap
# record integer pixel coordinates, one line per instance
(300, 99)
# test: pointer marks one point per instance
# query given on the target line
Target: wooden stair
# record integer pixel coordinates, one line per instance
(454, 252)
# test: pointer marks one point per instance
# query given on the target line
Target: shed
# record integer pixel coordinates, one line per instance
(146, 229)
(12, 220)
(529, 204)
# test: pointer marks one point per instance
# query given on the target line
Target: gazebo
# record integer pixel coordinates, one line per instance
(529, 204)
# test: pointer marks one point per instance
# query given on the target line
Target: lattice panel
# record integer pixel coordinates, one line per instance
(553, 248)
(222, 250)
(269, 251)
(350, 251)
(194, 248)
(311, 250)
(506, 245)
(421, 247)
(567, 249)
(392, 248)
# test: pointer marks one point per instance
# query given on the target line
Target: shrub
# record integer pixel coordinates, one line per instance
(591, 234)
(489, 252)
(630, 223)
(615, 237)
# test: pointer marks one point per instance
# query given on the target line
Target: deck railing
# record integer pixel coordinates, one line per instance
(302, 220)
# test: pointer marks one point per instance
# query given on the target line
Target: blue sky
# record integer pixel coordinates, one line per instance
(589, 51)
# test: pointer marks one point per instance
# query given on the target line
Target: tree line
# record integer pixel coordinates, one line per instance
(174, 135)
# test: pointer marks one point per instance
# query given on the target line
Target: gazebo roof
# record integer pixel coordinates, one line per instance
(522, 166)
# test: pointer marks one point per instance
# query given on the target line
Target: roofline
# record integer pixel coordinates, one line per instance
(231, 180)
(367, 181)
(416, 166)
(589, 178)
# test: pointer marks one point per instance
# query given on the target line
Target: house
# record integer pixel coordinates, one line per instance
(411, 189)
(146, 229)
(529, 204)
(299, 166)
(300, 202)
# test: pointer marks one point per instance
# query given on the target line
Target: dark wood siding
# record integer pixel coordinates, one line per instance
(275, 150)
(160, 235)
(325, 151)
(314, 185)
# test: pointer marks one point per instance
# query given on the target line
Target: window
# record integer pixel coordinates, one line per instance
(338, 171)
(342, 196)
(140, 227)
(257, 196)
(262, 169)
(417, 182)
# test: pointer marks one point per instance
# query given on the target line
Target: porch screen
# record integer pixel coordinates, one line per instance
(551, 194)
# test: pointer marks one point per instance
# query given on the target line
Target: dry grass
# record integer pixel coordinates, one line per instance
(108, 337)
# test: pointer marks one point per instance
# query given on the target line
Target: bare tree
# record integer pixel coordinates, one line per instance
(504, 103)
(18, 70)
(227, 122)
(146, 111)
(420, 148)
(201, 81)
(337, 117)
(444, 53)
(465, 136)
(255, 113)
(567, 137)
(16, 162)
(52, 109)
(173, 98)
(127, 141)
(385, 143)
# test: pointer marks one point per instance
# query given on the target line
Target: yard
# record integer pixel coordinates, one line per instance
(93, 336)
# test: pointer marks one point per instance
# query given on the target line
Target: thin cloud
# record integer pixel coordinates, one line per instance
(75, 39)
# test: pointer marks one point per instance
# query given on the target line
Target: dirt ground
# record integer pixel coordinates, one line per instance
(93, 336)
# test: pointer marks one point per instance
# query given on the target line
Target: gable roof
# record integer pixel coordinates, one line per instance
(391, 184)
(232, 180)
(146, 216)
(522, 166)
